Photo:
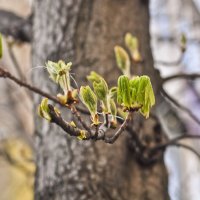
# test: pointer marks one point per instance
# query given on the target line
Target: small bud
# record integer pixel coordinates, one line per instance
(183, 41)
(43, 110)
(62, 98)
(1, 47)
(72, 124)
(82, 135)
(122, 59)
(132, 44)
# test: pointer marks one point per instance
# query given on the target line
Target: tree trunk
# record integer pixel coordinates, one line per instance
(85, 32)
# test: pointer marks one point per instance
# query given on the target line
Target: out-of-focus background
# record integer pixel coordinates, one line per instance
(17, 166)
(169, 19)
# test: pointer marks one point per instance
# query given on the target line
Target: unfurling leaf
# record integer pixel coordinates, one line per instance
(145, 95)
(59, 73)
(94, 77)
(113, 93)
(123, 60)
(1, 47)
(123, 91)
(132, 44)
(101, 89)
(89, 99)
(136, 94)
(43, 109)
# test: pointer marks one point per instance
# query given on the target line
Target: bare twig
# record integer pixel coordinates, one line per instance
(182, 76)
(6, 74)
(177, 104)
(74, 131)
(112, 139)
(77, 115)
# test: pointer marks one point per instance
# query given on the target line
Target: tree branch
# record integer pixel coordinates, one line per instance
(177, 104)
(6, 74)
(182, 76)
(16, 26)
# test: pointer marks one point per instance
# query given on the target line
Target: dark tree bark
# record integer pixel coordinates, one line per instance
(85, 32)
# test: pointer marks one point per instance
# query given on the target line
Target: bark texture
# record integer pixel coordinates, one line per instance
(85, 32)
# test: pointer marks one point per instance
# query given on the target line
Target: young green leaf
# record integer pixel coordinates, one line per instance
(94, 77)
(123, 91)
(132, 44)
(43, 109)
(134, 83)
(101, 89)
(89, 99)
(113, 93)
(123, 60)
(59, 73)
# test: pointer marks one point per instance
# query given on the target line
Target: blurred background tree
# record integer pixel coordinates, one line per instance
(85, 32)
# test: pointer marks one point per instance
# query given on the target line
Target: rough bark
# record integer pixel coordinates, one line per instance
(85, 32)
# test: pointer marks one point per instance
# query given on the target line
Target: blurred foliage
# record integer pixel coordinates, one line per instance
(17, 169)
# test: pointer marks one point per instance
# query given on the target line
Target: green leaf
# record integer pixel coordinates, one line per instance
(89, 99)
(113, 93)
(101, 89)
(94, 77)
(113, 108)
(134, 83)
(146, 95)
(132, 44)
(43, 109)
(123, 91)
(59, 73)
(123, 60)
(1, 47)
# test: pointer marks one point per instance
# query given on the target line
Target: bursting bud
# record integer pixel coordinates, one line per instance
(43, 109)
(183, 42)
(132, 44)
(122, 59)
(59, 73)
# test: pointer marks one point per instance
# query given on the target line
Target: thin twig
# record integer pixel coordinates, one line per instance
(112, 139)
(177, 104)
(182, 76)
(6, 74)
(77, 115)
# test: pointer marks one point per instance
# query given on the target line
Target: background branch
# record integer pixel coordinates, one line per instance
(17, 27)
